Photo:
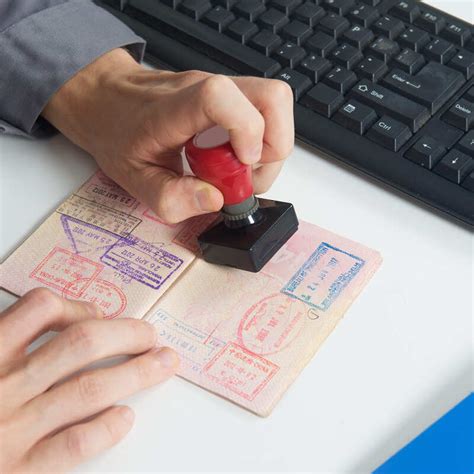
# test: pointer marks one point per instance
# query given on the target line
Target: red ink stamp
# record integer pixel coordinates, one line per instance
(240, 371)
(107, 296)
(187, 236)
(271, 324)
(61, 268)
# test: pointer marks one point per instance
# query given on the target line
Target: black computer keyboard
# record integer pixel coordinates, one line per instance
(386, 86)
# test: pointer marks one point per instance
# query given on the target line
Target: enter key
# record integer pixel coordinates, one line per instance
(431, 87)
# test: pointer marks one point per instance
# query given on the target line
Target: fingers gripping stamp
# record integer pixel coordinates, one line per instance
(252, 229)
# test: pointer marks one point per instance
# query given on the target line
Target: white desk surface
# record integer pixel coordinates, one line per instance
(400, 358)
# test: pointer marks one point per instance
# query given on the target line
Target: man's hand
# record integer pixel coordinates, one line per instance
(52, 418)
(134, 122)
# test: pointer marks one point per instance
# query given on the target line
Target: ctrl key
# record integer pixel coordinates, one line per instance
(389, 133)
(455, 166)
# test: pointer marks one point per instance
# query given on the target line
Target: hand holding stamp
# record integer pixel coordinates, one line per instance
(252, 229)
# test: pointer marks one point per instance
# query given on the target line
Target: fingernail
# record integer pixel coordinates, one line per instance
(255, 155)
(127, 414)
(167, 357)
(204, 199)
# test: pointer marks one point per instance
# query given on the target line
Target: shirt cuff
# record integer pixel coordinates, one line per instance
(43, 51)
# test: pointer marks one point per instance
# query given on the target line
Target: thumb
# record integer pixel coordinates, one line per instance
(175, 198)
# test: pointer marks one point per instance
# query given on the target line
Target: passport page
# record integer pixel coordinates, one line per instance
(245, 336)
(102, 245)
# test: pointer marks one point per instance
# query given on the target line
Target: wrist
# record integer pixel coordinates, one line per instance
(75, 107)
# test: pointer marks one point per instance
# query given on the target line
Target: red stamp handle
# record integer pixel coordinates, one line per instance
(212, 159)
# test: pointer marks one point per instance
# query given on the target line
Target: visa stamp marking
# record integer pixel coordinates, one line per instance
(99, 215)
(104, 190)
(109, 297)
(323, 276)
(195, 347)
(240, 371)
(61, 268)
(85, 238)
(271, 324)
(142, 261)
(187, 236)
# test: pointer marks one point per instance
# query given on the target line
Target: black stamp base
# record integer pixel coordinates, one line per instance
(251, 247)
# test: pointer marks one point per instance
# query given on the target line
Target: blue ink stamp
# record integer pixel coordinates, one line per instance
(142, 261)
(323, 276)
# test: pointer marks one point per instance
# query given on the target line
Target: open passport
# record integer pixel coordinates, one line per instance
(241, 335)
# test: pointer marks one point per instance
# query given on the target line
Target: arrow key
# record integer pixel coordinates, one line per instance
(426, 152)
(466, 144)
(455, 166)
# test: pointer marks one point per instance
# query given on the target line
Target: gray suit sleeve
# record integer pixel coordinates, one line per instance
(43, 43)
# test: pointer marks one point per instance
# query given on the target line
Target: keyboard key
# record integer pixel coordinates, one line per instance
(461, 115)
(363, 15)
(358, 36)
(463, 62)
(321, 43)
(372, 3)
(388, 26)
(355, 116)
(341, 7)
(346, 55)
(272, 20)
(409, 61)
(340, 79)
(249, 9)
(457, 34)
(286, 6)
(414, 38)
(309, 13)
(228, 4)
(384, 101)
(195, 8)
(215, 45)
(469, 94)
(432, 86)
(296, 32)
(426, 152)
(470, 46)
(439, 50)
(466, 144)
(289, 55)
(431, 22)
(241, 30)
(468, 182)
(389, 133)
(322, 99)
(218, 18)
(334, 25)
(384, 48)
(372, 68)
(266, 42)
(171, 3)
(408, 11)
(299, 83)
(455, 166)
(315, 67)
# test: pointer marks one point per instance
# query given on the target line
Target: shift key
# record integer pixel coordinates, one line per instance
(384, 101)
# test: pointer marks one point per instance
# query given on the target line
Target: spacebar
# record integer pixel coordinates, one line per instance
(202, 38)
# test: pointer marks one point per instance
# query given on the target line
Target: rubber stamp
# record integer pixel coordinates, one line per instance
(252, 229)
